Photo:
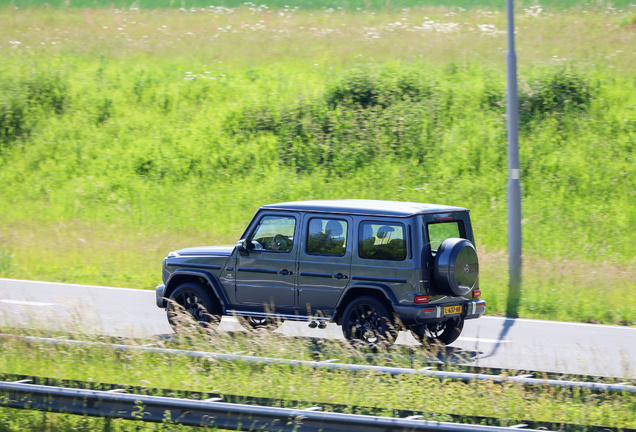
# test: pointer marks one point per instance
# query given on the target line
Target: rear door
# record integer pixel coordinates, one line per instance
(324, 262)
(266, 278)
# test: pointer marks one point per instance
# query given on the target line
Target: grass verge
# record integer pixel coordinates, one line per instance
(508, 402)
(101, 254)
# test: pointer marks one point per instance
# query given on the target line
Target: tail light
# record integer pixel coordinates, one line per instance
(421, 299)
(476, 293)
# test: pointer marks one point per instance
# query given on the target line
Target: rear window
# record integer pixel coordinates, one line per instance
(440, 231)
(382, 241)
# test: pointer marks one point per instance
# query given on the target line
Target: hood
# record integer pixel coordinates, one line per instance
(206, 250)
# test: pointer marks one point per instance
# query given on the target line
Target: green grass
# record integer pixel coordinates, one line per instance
(140, 132)
(111, 155)
(508, 402)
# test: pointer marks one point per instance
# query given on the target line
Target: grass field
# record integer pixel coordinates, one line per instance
(125, 134)
(509, 403)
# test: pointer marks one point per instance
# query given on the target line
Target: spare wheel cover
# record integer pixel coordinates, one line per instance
(456, 267)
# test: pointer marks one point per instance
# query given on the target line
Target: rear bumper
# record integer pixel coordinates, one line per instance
(159, 292)
(410, 315)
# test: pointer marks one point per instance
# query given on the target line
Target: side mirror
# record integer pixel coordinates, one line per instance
(242, 248)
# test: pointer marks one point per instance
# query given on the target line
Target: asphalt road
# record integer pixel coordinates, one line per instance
(518, 344)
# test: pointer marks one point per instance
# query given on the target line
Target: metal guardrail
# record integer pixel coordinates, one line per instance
(206, 413)
(314, 405)
(459, 376)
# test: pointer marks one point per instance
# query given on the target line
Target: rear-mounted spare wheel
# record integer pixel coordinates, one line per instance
(456, 267)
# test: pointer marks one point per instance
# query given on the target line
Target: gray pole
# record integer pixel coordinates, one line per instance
(514, 187)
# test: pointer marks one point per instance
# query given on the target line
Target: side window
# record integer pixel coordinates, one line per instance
(440, 231)
(382, 241)
(327, 237)
(274, 233)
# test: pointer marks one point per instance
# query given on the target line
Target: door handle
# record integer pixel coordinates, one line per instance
(286, 272)
(340, 276)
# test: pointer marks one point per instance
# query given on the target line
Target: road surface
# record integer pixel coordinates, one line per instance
(518, 344)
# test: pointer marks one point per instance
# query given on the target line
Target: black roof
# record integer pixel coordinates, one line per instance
(364, 207)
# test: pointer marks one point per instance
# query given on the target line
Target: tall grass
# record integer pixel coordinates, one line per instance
(139, 132)
(102, 364)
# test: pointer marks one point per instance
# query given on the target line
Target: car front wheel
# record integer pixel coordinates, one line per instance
(367, 321)
(191, 304)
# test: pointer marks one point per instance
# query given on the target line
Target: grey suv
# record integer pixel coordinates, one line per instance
(373, 267)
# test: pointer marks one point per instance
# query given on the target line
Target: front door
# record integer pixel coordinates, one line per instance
(324, 264)
(266, 278)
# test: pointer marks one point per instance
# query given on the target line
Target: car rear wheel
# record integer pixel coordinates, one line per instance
(191, 304)
(256, 323)
(445, 332)
(366, 321)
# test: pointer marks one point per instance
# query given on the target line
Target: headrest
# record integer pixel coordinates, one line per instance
(384, 231)
(333, 228)
(367, 231)
(315, 227)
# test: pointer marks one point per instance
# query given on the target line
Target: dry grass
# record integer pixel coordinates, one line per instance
(91, 253)
(99, 254)
(563, 289)
(252, 36)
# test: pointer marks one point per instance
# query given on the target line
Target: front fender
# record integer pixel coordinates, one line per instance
(212, 280)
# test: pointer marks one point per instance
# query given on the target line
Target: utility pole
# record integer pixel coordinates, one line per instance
(514, 186)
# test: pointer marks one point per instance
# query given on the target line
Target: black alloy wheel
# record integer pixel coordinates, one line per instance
(193, 301)
(366, 321)
(445, 332)
(257, 323)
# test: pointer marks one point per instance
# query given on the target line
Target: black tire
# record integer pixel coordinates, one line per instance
(366, 321)
(204, 309)
(257, 323)
(445, 332)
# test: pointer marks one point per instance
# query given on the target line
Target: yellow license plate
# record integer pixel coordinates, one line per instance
(450, 310)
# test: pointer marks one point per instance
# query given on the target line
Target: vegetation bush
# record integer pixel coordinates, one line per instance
(48, 91)
(13, 114)
(22, 103)
(367, 115)
(391, 114)
(548, 92)
(367, 87)
(312, 135)
(554, 91)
